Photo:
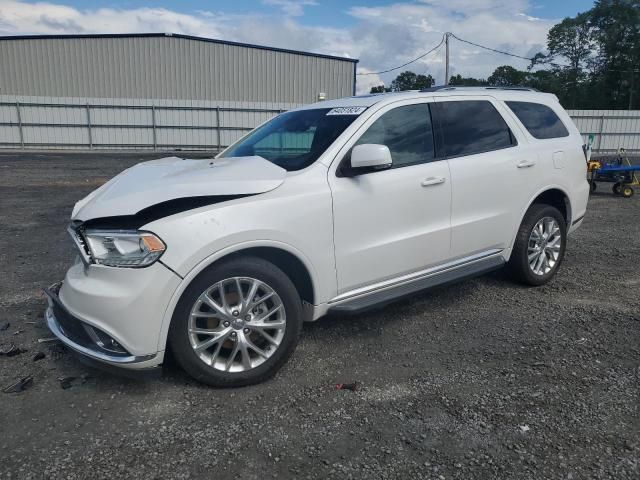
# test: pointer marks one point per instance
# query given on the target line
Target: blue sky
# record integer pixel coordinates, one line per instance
(325, 12)
(381, 34)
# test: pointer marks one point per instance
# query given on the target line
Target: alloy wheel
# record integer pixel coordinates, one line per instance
(237, 324)
(545, 242)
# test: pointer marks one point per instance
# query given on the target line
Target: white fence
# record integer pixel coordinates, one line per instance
(612, 129)
(88, 124)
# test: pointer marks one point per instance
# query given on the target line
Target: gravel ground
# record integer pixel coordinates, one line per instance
(484, 379)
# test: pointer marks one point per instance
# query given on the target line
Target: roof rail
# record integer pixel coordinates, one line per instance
(438, 88)
(514, 87)
(461, 87)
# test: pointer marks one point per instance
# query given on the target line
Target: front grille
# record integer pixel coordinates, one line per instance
(78, 239)
(81, 242)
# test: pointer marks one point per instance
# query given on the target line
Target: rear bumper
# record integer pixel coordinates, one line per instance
(89, 341)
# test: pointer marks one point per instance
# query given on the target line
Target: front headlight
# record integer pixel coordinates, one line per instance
(123, 248)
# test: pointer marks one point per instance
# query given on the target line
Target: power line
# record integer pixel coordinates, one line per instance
(490, 49)
(495, 50)
(408, 63)
(532, 59)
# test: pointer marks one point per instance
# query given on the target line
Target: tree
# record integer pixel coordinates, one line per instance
(573, 40)
(406, 81)
(570, 41)
(378, 89)
(616, 25)
(506, 76)
(466, 81)
(410, 81)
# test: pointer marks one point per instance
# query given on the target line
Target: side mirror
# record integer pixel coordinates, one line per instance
(371, 155)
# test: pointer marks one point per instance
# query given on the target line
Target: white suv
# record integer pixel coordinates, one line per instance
(333, 207)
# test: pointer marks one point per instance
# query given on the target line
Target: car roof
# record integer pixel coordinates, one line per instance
(500, 93)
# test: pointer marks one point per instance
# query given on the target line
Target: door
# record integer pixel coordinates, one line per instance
(491, 174)
(394, 221)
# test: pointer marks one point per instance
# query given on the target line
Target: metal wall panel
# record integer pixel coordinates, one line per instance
(612, 129)
(167, 67)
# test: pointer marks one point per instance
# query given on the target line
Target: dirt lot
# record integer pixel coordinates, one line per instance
(484, 379)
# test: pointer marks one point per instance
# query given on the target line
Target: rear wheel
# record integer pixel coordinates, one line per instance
(237, 323)
(627, 191)
(539, 246)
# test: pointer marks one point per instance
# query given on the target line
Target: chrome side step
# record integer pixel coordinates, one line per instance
(363, 299)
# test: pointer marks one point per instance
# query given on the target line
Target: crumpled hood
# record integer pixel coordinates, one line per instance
(150, 183)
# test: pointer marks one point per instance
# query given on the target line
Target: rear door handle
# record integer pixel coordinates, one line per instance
(427, 182)
(526, 164)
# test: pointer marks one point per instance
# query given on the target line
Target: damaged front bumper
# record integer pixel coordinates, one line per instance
(88, 340)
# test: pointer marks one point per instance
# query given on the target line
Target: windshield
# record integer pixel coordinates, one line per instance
(295, 140)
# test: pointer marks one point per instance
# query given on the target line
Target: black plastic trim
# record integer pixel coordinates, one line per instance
(155, 212)
(384, 297)
(579, 219)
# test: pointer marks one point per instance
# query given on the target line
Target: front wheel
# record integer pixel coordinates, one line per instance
(617, 188)
(539, 246)
(237, 323)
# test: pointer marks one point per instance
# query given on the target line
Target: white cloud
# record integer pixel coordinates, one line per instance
(293, 8)
(381, 37)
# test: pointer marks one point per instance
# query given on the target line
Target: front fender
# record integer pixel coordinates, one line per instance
(220, 254)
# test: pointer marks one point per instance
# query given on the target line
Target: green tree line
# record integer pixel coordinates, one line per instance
(592, 61)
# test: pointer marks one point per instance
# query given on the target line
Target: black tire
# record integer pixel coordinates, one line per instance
(518, 263)
(253, 267)
(617, 188)
(626, 191)
(592, 186)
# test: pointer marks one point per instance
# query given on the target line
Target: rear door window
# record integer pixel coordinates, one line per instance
(471, 126)
(406, 131)
(541, 122)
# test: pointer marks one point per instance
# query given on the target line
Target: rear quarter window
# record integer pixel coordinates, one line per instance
(471, 126)
(541, 122)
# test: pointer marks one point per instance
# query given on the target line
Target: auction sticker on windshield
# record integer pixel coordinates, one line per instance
(346, 111)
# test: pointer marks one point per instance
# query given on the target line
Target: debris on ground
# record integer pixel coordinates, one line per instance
(66, 382)
(524, 428)
(12, 351)
(347, 386)
(4, 326)
(38, 356)
(20, 385)
(48, 339)
(18, 332)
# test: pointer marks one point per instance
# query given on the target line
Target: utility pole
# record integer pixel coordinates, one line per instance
(631, 90)
(446, 58)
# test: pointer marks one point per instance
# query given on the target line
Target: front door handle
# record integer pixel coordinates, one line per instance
(526, 164)
(427, 182)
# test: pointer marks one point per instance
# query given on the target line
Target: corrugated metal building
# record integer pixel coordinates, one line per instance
(160, 91)
(168, 67)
